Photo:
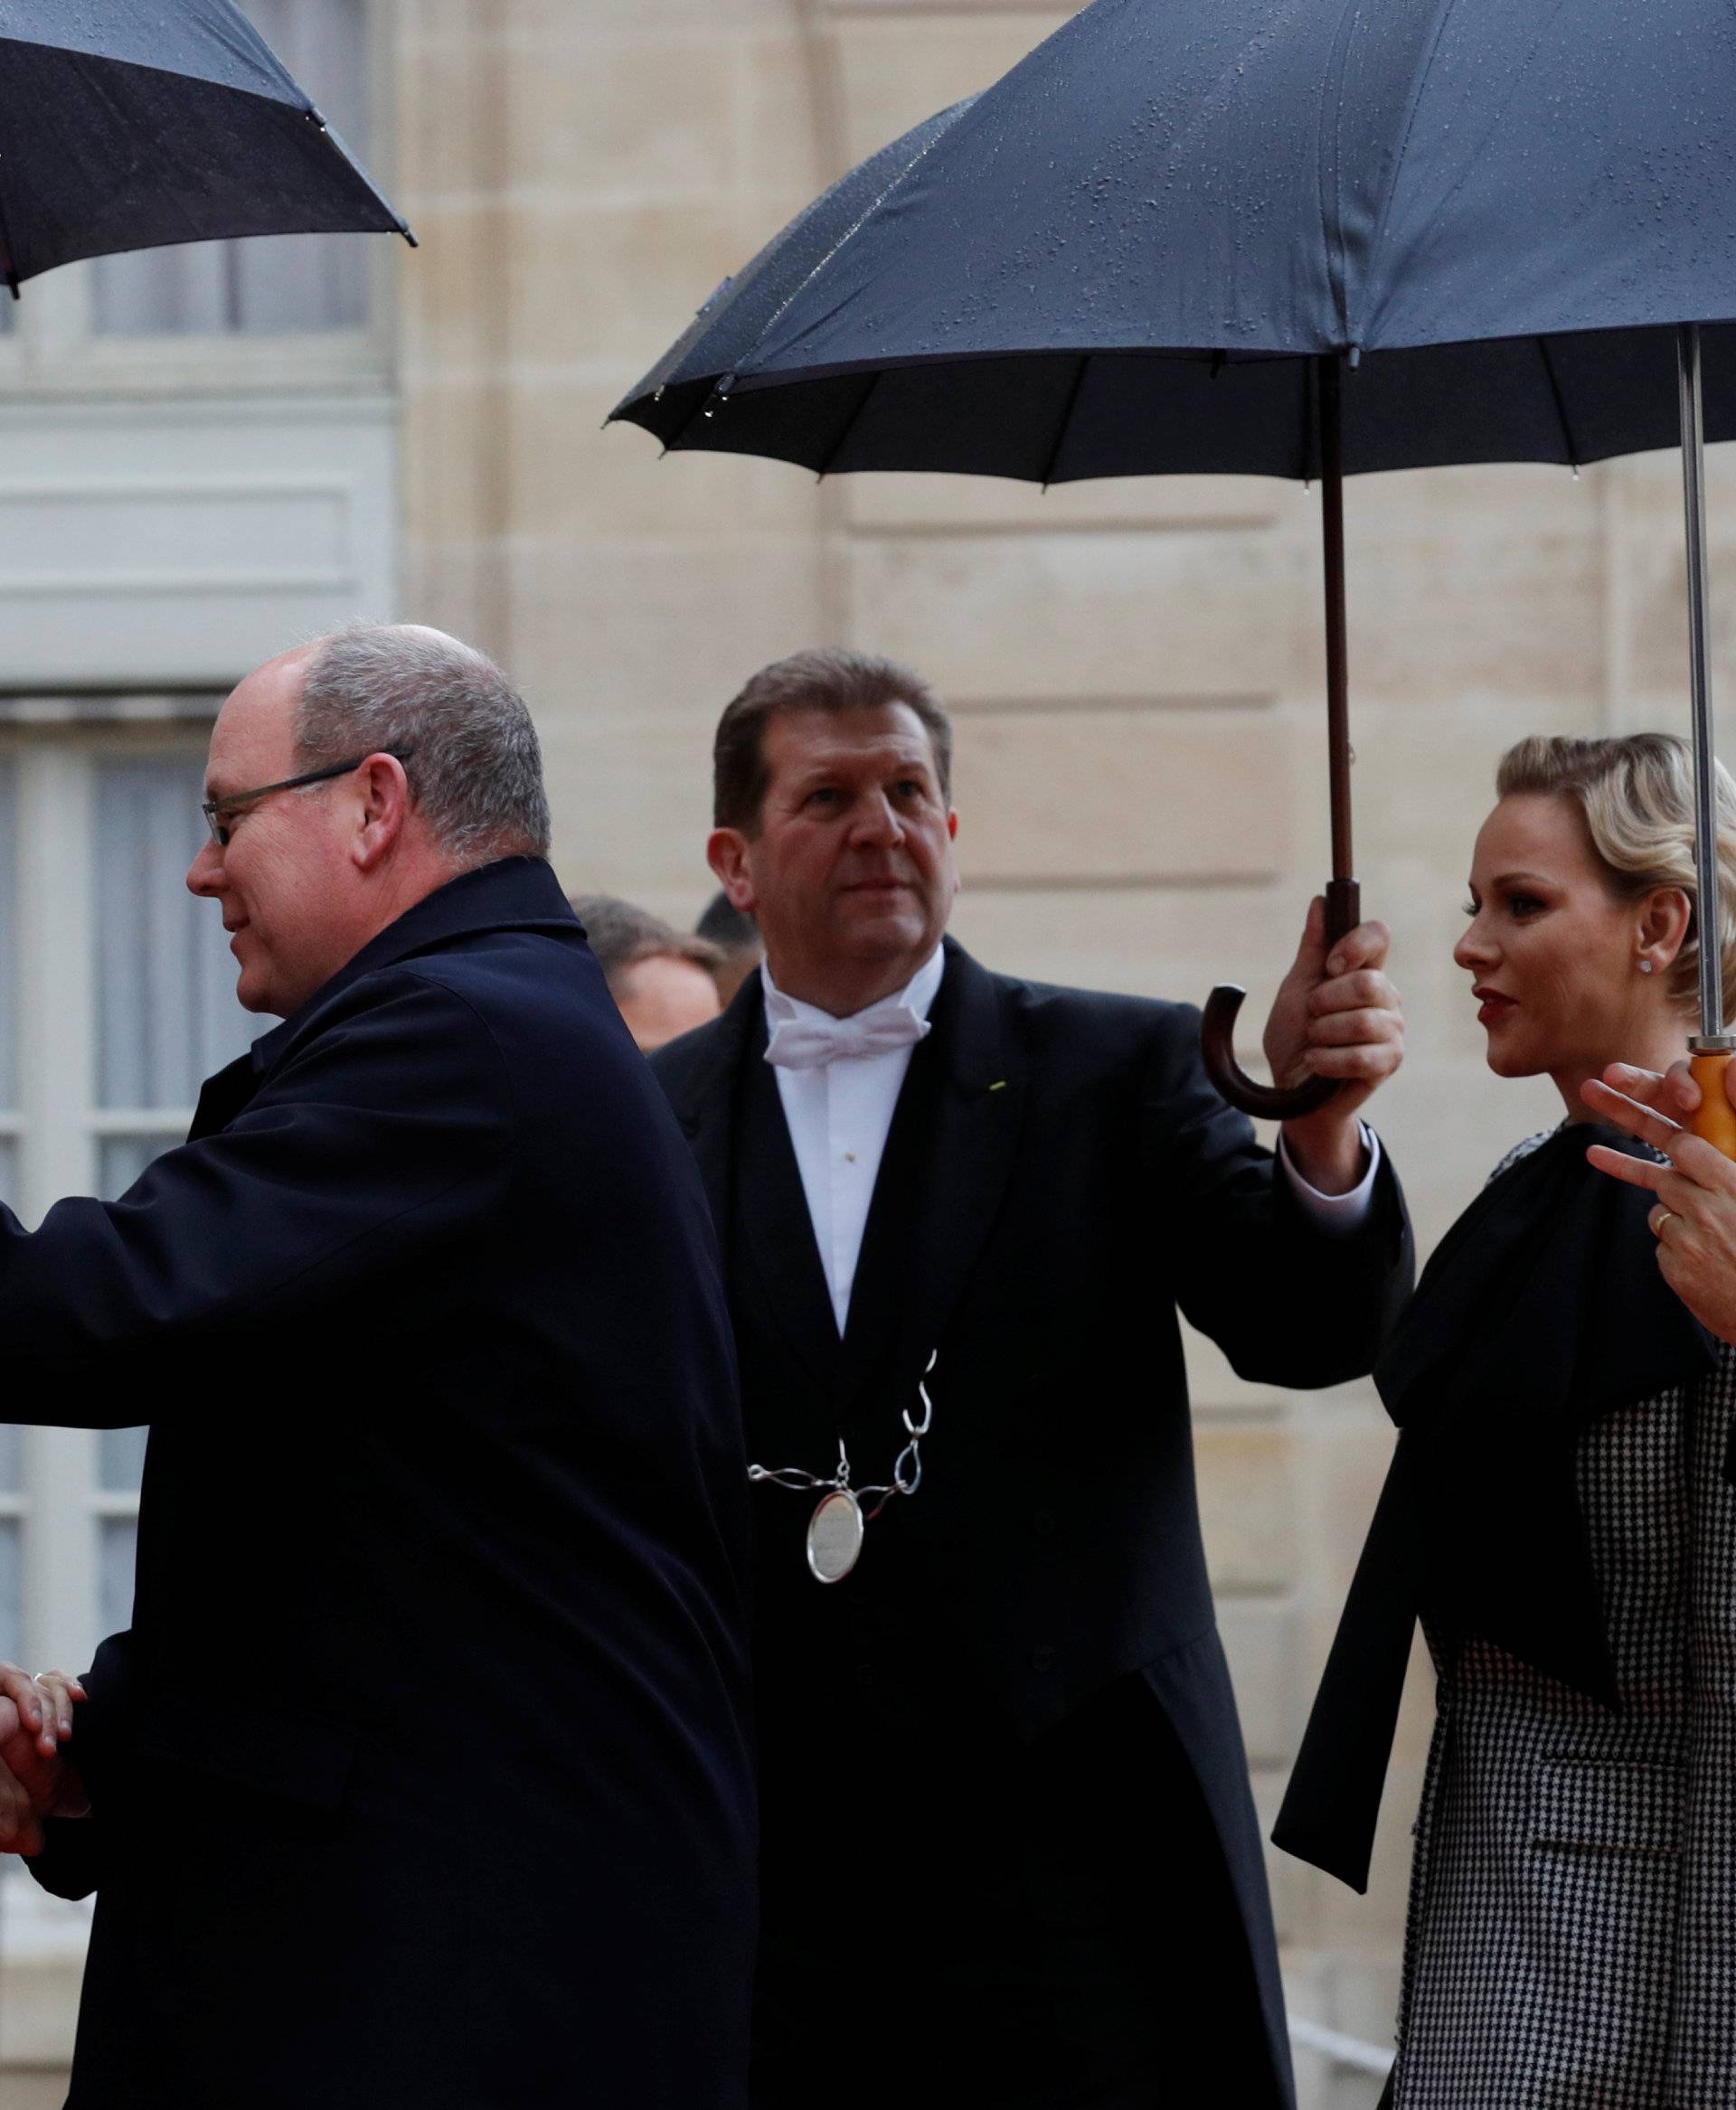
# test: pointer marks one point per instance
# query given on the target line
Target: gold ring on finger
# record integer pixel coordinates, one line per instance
(1660, 1217)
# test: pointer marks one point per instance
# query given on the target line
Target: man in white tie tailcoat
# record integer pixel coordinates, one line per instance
(1010, 1855)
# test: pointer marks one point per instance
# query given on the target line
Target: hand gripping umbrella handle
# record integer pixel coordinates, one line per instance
(1344, 896)
(1270, 1102)
(1714, 1118)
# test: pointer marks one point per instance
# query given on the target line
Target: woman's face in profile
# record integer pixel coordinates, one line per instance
(1553, 952)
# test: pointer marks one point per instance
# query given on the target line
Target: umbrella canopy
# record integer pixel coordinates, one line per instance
(1492, 210)
(1290, 237)
(128, 127)
(732, 322)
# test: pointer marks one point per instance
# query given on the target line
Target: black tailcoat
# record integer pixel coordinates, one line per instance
(1059, 1178)
(423, 1775)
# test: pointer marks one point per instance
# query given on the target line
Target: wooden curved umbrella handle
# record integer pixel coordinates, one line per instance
(1714, 1118)
(1270, 1102)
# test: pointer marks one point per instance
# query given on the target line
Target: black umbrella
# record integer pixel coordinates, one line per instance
(733, 321)
(1298, 238)
(128, 126)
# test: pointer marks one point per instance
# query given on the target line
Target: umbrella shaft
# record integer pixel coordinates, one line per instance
(1332, 526)
(1705, 828)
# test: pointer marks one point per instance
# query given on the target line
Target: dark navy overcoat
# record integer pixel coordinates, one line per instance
(423, 1775)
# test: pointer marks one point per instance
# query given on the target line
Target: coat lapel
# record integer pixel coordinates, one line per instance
(925, 1234)
(225, 1095)
(972, 1135)
(728, 1106)
(776, 1229)
(881, 1288)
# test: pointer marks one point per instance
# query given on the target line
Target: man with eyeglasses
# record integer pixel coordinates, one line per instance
(422, 1775)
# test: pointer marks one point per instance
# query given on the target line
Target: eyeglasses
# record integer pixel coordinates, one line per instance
(213, 807)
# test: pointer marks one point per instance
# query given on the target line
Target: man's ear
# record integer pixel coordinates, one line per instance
(726, 851)
(383, 792)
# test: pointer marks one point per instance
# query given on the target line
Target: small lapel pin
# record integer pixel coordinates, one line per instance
(999, 1085)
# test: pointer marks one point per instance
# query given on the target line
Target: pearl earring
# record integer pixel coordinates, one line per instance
(1645, 966)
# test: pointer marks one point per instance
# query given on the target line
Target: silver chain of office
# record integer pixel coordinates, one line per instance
(835, 1531)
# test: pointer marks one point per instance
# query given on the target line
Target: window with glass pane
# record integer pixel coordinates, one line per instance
(120, 1466)
(12, 1508)
(278, 283)
(166, 1014)
(12, 1492)
(166, 1017)
(9, 1114)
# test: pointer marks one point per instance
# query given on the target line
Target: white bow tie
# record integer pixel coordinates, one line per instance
(813, 1042)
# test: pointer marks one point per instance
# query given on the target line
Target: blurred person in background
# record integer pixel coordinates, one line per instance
(663, 984)
(1561, 1510)
(736, 935)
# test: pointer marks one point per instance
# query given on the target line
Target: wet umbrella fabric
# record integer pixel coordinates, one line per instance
(1151, 246)
(1492, 209)
(732, 322)
(129, 127)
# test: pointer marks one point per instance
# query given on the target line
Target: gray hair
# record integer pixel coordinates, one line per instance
(451, 717)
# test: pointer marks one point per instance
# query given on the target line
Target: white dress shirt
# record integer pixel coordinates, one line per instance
(840, 1113)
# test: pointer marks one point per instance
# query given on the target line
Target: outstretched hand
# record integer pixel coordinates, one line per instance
(37, 1779)
(1694, 1218)
(1336, 1015)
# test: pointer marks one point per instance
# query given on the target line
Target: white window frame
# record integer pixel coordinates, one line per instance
(53, 352)
(58, 1125)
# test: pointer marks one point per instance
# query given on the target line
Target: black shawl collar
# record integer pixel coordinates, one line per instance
(775, 1230)
(1543, 1309)
(884, 1281)
(949, 1156)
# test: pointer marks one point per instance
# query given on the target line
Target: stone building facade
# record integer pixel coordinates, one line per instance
(1135, 667)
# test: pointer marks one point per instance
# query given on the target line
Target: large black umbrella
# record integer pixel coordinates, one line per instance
(127, 125)
(735, 319)
(1291, 237)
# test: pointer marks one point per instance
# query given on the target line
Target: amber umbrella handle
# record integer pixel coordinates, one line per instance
(1270, 1102)
(1716, 1117)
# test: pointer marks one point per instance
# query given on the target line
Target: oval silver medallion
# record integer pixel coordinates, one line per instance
(834, 1536)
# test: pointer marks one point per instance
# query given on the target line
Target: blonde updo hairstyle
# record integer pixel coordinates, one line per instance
(1636, 794)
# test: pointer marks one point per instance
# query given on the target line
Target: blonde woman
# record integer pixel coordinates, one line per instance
(1560, 1516)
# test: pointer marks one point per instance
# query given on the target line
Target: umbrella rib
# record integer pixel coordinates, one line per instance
(1400, 146)
(848, 235)
(849, 425)
(1568, 440)
(1066, 420)
(717, 395)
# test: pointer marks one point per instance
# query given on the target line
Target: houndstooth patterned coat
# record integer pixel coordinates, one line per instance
(1572, 1928)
